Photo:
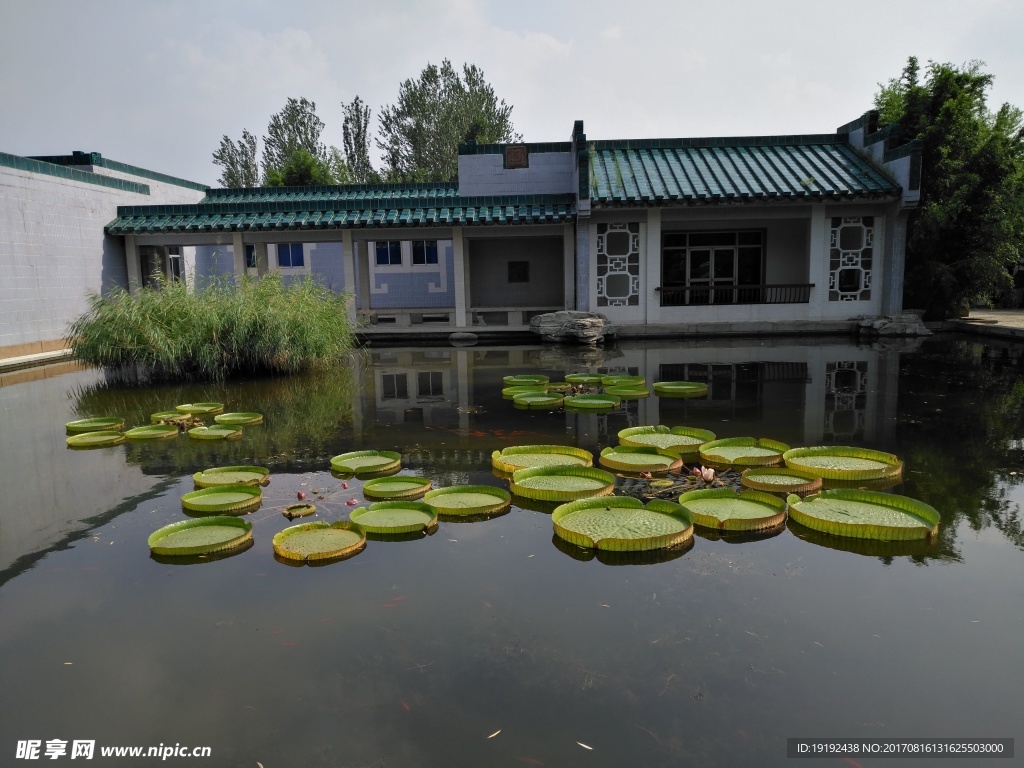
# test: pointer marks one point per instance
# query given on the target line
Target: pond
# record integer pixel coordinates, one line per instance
(491, 642)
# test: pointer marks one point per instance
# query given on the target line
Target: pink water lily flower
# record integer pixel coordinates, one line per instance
(707, 474)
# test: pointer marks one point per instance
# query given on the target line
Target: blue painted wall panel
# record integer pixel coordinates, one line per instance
(409, 286)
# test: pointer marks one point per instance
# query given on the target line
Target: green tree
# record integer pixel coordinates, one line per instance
(295, 127)
(356, 141)
(238, 161)
(968, 229)
(301, 169)
(420, 133)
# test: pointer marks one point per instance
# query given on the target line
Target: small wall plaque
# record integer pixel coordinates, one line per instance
(517, 156)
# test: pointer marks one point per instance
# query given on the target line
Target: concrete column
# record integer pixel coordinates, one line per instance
(362, 260)
(650, 268)
(461, 264)
(348, 272)
(818, 268)
(583, 264)
(262, 262)
(134, 266)
(238, 252)
(569, 265)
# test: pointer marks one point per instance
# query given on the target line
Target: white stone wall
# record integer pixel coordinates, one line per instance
(550, 173)
(53, 252)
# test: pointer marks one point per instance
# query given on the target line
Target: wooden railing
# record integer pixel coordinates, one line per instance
(781, 293)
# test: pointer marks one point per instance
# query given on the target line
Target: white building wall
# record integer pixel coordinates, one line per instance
(53, 252)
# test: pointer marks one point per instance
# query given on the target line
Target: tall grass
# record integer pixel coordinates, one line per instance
(180, 332)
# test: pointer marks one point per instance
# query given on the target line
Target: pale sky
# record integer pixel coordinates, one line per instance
(156, 83)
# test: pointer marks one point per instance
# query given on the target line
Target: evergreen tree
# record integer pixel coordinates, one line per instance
(420, 133)
(968, 230)
(295, 127)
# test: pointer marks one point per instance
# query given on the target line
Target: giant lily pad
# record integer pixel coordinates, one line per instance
(727, 510)
(100, 424)
(396, 487)
(468, 499)
(319, 541)
(395, 517)
(622, 523)
(866, 515)
(301, 509)
(508, 460)
(200, 537)
(841, 462)
(622, 380)
(233, 499)
(743, 452)
(240, 475)
(98, 439)
(152, 432)
(626, 458)
(680, 389)
(565, 483)
(162, 416)
(239, 419)
(215, 432)
(200, 408)
(590, 379)
(628, 392)
(537, 400)
(525, 378)
(678, 441)
(510, 393)
(360, 462)
(592, 402)
(785, 480)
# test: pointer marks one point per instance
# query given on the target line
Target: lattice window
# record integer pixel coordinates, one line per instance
(618, 265)
(851, 253)
(846, 394)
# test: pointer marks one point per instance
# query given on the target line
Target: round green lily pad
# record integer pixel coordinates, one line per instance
(525, 378)
(215, 432)
(239, 419)
(623, 524)
(200, 537)
(622, 380)
(562, 483)
(240, 475)
(584, 378)
(233, 499)
(508, 460)
(396, 487)
(592, 402)
(99, 424)
(468, 499)
(865, 515)
(727, 510)
(626, 458)
(627, 392)
(680, 389)
(156, 418)
(360, 462)
(841, 462)
(678, 441)
(558, 386)
(200, 408)
(98, 439)
(780, 480)
(509, 393)
(537, 400)
(152, 432)
(302, 509)
(395, 517)
(743, 452)
(319, 541)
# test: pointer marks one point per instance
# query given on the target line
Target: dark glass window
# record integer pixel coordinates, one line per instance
(394, 386)
(290, 255)
(250, 257)
(424, 251)
(389, 252)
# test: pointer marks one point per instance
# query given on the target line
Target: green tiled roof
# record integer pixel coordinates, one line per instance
(819, 167)
(338, 208)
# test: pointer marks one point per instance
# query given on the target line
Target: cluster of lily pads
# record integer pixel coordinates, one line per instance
(590, 391)
(104, 431)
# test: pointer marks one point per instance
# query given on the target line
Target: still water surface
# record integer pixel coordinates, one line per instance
(413, 653)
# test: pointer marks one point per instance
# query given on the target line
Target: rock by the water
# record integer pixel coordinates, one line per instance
(892, 325)
(570, 326)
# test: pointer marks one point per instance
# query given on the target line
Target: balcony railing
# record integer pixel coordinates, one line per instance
(702, 295)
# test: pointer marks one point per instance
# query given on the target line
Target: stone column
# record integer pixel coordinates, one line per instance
(650, 268)
(583, 256)
(238, 252)
(461, 264)
(348, 272)
(569, 265)
(818, 270)
(262, 262)
(894, 262)
(133, 265)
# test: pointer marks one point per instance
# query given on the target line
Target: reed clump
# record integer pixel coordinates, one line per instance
(179, 332)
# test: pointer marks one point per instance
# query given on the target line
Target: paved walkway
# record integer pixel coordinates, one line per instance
(1001, 323)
